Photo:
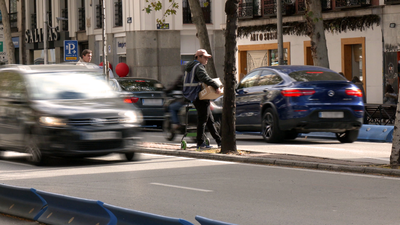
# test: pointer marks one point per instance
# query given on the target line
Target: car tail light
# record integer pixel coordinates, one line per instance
(297, 92)
(131, 100)
(354, 92)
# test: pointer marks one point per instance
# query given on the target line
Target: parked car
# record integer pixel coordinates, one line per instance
(64, 110)
(146, 94)
(283, 101)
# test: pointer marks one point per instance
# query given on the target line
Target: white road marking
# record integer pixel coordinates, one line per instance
(182, 187)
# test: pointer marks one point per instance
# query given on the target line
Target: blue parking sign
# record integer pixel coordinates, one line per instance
(71, 51)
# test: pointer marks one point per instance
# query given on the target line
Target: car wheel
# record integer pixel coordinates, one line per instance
(32, 148)
(129, 156)
(270, 128)
(349, 136)
(168, 133)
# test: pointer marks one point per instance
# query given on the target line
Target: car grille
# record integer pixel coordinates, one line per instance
(93, 121)
(100, 145)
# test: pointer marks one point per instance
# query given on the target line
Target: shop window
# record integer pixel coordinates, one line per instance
(273, 57)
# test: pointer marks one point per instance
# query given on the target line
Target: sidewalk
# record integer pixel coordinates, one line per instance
(271, 159)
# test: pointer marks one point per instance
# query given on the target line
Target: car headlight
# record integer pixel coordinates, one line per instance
(131, 117)
(52, 121)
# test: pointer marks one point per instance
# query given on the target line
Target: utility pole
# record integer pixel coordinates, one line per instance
(279, 31)
(45, 60)
(105, 66)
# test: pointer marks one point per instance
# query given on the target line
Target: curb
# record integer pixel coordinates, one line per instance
(273, 161)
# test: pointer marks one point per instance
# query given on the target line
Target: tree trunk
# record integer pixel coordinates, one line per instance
(315, 30)
(22, 44)
(229, 106)
(202, 33)
(395, 154)
(7, 33)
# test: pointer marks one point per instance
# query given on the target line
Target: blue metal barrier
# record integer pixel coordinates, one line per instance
(376, 133)
(133, 217)
(206, 221)
(367, 132)
(21, 202)
(64, 209)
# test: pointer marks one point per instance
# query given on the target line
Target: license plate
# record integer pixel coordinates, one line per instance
(152, 102)
(104, 135)
(331, 114)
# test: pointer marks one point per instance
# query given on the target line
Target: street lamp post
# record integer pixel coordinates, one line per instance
(105, 66)
(45, 59)
(279, 31)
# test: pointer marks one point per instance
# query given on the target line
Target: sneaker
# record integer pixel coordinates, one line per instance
(204, 146)
(219, 145)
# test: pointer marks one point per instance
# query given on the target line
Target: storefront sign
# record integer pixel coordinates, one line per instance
(15, 41)
(264, 36)
(121, 46)
(36, 35)
(70, 50)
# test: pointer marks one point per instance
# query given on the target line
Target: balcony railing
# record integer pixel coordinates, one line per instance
(187, 14)
(269, 8)
(64, 13)
(351, 3)
(99, 16)
(245, 10)
(118, 14)
(82, 18)
(325, 4)
(33, 21)
(392, 2)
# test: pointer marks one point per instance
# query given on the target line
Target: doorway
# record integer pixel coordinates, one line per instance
(308, 59)
(353, 59)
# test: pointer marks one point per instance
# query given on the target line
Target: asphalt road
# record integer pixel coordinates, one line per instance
(231, 192)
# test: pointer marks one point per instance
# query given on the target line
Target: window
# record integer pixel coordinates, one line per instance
(118, 13)
(249, 80)
(49, 14)
(99, 14)
(82, 16)
(13, 15)
(33, 15)
(12, 86)
(205, 6)
(64, 14)
(269, 78)
(314, 75)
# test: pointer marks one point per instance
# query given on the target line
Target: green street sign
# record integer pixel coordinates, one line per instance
(1, 46)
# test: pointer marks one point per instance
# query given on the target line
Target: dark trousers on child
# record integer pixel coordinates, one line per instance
(205, 118)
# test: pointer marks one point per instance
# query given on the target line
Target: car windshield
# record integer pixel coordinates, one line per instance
(79, 85)
(313, 75)
(140, 85)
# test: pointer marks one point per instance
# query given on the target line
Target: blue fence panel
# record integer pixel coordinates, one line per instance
(206, 221)
(64, 209)
(376, 133)
(21, 202)
(133, 217)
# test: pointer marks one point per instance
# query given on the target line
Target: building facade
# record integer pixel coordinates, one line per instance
(362, 39)
(363, 36)
(132, 35)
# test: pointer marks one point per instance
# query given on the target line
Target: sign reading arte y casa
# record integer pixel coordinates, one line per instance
(36, 35)
(263, 36)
